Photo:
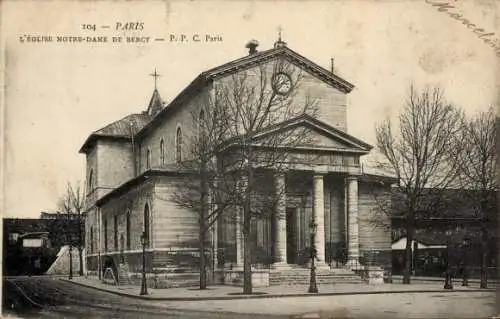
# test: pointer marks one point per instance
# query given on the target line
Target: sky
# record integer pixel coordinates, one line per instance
(57, 93)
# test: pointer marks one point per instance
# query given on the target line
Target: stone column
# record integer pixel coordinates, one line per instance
(319, 217)
(239, 238)
(352, 212)
(215, 231)
(280, 191)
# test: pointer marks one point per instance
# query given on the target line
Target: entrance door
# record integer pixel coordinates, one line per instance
(291, 235)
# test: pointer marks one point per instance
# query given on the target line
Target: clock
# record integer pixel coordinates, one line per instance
(282, 83)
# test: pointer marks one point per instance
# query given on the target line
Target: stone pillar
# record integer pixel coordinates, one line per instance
(319, 217)
(215, 231)
(352, 212)
(239, 238)
(280, 191)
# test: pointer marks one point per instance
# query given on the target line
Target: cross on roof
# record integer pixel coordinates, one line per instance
(280, 29)
(156, 76)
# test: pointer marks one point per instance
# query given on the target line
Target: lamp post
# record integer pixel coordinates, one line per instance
(448, 283)
(144, 285)
(465, 246)
(313, 288)
(70, 261)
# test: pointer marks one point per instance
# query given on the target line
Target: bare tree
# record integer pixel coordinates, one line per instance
(260, 103)
(418, 150)
(247, 129)
(475, 150)
(72, 204)
(200, 189)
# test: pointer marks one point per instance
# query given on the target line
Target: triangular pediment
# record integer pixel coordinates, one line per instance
(316, 135)
(280, 52)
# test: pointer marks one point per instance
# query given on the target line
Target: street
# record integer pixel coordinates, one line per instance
(45, 297)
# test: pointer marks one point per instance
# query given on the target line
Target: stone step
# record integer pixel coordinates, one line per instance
(301, 276)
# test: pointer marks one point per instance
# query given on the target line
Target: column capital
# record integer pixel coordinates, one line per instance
(318, 175)
(280, 173)
(352, 178)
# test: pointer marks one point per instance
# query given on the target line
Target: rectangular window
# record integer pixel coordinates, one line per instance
(356, 160)
(13, 237)
(32, 242)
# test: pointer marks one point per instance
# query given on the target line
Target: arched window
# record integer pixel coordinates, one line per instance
(162, 152)
(128, 230)
(178, 145)
(91, 239)
(148, 159)
(91, 177)
(201, 122)
(146, 223)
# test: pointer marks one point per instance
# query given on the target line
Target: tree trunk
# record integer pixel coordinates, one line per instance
(247, 264)
(80, 255)
(80, 242)
(408, 255)
(202, 225)
(203, 273)
(484, 260)
(247, 258)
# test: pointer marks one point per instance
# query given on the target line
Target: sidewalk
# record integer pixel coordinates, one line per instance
(472, 281)
(230, 292)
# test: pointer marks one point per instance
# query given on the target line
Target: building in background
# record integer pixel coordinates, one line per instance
(30, 245)
(452, 210)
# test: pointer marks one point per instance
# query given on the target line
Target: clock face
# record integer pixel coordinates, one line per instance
(282, 83)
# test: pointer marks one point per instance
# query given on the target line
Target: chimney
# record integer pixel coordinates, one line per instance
(252, 46)
(332, 65)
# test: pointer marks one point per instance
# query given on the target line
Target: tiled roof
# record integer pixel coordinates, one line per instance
(126, 126)
(123, 128)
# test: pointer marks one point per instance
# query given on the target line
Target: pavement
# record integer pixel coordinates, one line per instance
(225, 292)
(472, 281)
(83, 298)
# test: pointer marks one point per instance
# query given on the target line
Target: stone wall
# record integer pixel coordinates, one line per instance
(133, 202)
(374, 224)
(185, 118)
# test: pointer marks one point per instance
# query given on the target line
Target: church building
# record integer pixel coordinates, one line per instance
(133, 171)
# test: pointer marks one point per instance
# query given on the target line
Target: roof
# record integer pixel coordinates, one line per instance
(431, 237)
(25, 225)
(121, 129)
(284, 51)
(243, 63)
(306, 119)
(167, 170)
(156, 104)
(445, 205)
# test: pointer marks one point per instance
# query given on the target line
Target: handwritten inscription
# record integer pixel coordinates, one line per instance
(130, 32)
(487, 37)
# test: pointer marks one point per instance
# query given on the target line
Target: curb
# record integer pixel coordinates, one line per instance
(263, 296)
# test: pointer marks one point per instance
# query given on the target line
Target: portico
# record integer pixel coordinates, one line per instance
(332, 199)
(319, 181)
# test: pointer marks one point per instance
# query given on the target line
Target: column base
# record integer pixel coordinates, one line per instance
(281, 265)
(353, 264)
(321, 265)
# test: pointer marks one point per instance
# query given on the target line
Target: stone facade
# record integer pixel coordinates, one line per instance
(131, 184)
